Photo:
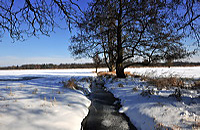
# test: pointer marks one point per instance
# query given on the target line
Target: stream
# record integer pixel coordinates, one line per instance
(103, 112)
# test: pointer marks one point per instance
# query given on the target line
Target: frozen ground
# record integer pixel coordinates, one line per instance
(41, 103)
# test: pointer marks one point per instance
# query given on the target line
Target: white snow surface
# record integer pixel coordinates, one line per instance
(158, 111)
(184, 72)
(42, 103)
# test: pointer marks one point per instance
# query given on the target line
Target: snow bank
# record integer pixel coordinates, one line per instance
(42, 103)
(157, 111)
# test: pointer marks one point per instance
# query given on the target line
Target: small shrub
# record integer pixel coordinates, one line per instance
(127, 73)
(146, 93)
(45, 98)
(144, 78)
(71, 84)
(159, 126)
(104, 74)
(176, 94)
(53, 101)
(120, 85)
(35, 91)
(11, 93)
(167, 83)
(135, 89)
(196, 85)
(196, 125)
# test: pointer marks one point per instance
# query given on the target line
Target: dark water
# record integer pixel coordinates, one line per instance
(104, 113)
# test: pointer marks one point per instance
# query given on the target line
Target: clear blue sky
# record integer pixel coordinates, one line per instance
(53, 49)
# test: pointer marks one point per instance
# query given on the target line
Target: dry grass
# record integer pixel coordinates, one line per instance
(11, 93)
(127, 73)
(176, 94)
(196, 125)
(53, 101)
(45, 98)
(58, 92)
(104, 73)
(35, 91)
(71, 84)
(160, 126)
(167, 83)
(135, 89)
(120, 85)
(145, 93)
(196, 84)
(113, 73)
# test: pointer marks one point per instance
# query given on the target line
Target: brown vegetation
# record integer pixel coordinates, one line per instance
(197, 84)
(120, 85)
(113, 73)
(71, 84)
(104, 73)
(165, 82)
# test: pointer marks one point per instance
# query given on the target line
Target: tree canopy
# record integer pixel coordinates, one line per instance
(149, 30)
(27, 18)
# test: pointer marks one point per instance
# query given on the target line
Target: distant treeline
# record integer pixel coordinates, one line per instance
(52, 66)
(92, 65)
(181, 64)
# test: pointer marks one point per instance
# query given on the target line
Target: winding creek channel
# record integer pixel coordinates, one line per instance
(103, 114)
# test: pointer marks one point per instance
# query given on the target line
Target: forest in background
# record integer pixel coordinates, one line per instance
(92, 65)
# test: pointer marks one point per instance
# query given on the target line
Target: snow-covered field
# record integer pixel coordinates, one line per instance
(159, 110)
(148, 112)
(184, 72)
(42, 102)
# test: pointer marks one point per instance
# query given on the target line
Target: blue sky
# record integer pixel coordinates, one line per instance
(53, 49)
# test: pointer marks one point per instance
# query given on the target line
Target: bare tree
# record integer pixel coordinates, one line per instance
(97, 60)
(95, 36)
(122, 30)
(27, 18)
(142, 29)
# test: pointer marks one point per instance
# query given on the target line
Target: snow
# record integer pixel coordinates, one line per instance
(50, 72)
(42, 103)
(184, 72)
(159, 110)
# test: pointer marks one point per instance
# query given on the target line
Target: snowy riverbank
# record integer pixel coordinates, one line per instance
(150, 108)
(35, 99)
(42, 102)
